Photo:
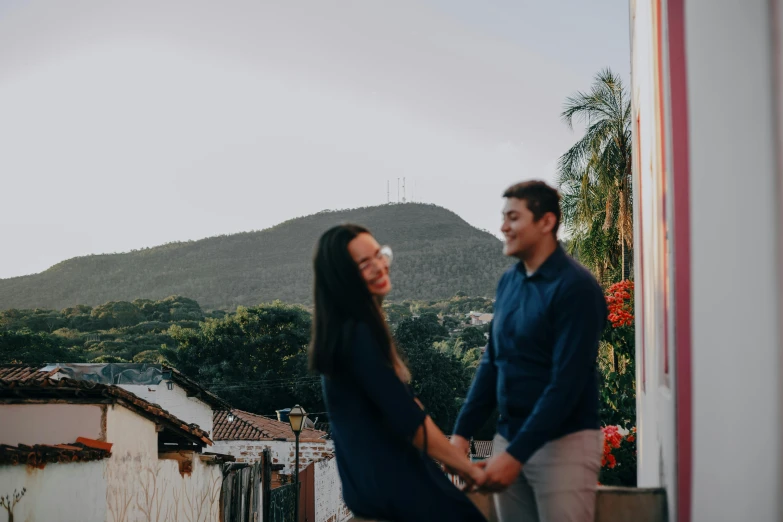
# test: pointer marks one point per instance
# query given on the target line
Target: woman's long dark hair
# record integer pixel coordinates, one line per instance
(341, 300)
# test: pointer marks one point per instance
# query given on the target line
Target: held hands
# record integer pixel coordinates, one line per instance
(501, 471)
(475, 478)
(490, 476)
(473, 474)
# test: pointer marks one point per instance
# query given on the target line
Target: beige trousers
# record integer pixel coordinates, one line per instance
(557, 484)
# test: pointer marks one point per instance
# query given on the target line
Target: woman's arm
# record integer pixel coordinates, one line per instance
(401, 412)
(440, 449)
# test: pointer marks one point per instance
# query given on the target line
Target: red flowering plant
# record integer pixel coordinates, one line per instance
(619, 299)
(616, 359)
(618, 463)
(618, 388)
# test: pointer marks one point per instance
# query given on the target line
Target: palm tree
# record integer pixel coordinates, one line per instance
(595, 177)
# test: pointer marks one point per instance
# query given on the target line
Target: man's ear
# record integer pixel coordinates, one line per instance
(548, 222)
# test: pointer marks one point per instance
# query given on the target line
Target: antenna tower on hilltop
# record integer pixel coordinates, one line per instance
(402, 191)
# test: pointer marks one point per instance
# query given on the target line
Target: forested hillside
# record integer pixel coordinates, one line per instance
(437, 254)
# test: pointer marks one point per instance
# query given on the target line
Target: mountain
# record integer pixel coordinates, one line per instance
(436, 254)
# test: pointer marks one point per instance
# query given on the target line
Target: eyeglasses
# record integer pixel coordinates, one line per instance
(384, 255)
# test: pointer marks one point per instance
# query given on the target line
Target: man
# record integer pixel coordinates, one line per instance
(539, 370)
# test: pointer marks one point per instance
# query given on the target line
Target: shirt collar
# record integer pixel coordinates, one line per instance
(549, 268)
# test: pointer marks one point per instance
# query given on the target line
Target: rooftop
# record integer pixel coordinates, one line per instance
(38, 455)
(141, 374)
(23, 384)
(249, 426)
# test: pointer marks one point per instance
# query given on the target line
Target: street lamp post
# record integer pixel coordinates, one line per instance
(296, 418)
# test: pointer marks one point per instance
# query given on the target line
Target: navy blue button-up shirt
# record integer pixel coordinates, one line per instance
(540, 366)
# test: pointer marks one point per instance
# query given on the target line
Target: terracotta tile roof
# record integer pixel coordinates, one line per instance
(21, 372)
(249, 426)
(481, 449)
(39, 455)
(20, 382)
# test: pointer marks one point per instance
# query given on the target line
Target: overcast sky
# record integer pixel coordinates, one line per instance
(131, 124)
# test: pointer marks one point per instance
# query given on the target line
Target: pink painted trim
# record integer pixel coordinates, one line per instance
(682, 254)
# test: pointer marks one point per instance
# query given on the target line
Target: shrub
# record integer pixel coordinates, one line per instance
(618, 464)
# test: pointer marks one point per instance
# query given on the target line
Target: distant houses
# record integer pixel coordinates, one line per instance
(98, 452)
(479, 318)
(245, 435)
(143, 442)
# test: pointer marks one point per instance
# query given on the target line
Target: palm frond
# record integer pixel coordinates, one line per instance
(594, 177)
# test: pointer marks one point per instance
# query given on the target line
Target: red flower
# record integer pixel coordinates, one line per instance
(612, 461)
(619, 300)
(613, 439)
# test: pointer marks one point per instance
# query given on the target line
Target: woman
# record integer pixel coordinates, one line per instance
(384, 441)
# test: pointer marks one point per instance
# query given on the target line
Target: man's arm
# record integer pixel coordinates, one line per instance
(580, 317)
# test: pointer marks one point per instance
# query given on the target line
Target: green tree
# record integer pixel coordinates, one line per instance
(473, 337)
(255, 358)
(396, 312)
(423, 330)
(450, 322)
(37, 320)
(440, 380)
(595, 178)
(35, 349)
(117, 313)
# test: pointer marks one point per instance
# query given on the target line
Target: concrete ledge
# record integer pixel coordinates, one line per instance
(615, 504)
(612, 504)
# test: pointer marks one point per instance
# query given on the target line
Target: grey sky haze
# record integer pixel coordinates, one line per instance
(131, 124)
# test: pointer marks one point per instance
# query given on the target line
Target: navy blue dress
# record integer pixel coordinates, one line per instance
(373, 419)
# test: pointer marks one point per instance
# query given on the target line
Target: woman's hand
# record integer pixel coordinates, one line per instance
(474, 476)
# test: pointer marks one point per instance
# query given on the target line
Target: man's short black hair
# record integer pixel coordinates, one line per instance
(540, 199)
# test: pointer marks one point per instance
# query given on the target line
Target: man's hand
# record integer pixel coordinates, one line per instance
(502, 470)
(475, 477)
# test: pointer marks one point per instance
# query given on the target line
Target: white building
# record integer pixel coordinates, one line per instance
(162, 385)
(89, 451)
(479, 318)
(245, 435)
(706, 89)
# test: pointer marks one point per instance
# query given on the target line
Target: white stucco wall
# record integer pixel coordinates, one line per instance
(49, 423)
(142, 488)
(133, 485)
(329, 504)
(281, 452)
(72, 492)
(176, 402)
(734, 261)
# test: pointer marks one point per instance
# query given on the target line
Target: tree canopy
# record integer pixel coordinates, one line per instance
(595, 178)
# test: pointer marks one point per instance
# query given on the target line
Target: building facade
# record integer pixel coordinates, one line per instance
(706, 96)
